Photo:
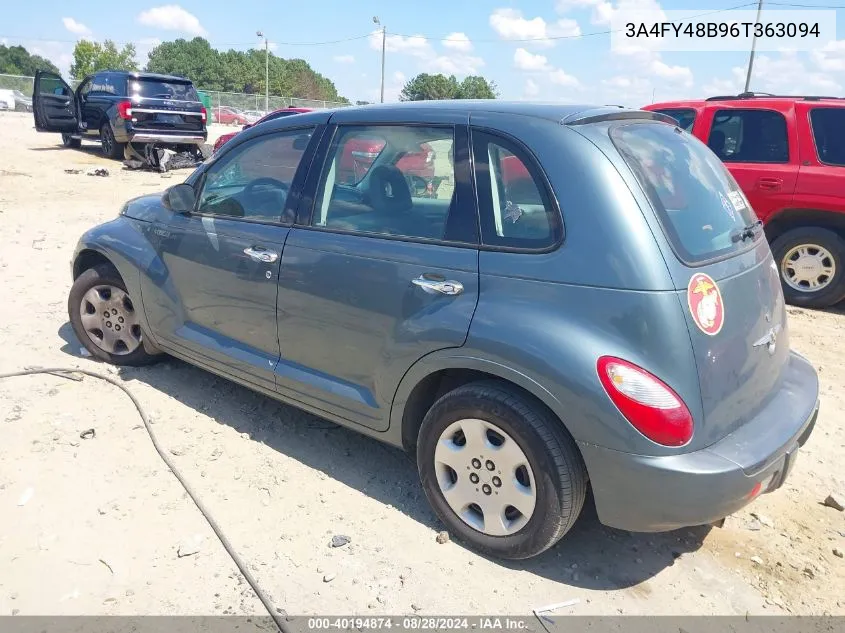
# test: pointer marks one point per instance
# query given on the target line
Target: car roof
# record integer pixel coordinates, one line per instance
(144, 75)
(773, 102)
(549, 111)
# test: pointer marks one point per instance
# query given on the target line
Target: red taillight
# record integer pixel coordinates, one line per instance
(648, 403)
(203, 114)
(124, 110)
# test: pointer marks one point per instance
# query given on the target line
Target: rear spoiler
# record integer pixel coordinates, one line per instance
(598, 115)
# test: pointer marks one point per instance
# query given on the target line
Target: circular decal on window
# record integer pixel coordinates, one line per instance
(705, 304)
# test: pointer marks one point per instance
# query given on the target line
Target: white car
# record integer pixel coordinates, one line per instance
(7, 100)
(253, 115)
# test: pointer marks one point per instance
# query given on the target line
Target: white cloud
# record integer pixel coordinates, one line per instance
(603, 10)
(458, 42)
(562, 6)
(416, 45)
(524, 60)
(511, 25)
(344, 59)
(273, 45)
(666, 72)
(831, 57)
(171, 17)
(561, 78)
(788, 74)
(532, 89)
(456, 64)
(77, 28)
(392, 87)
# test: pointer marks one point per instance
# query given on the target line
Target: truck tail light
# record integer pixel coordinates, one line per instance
(124, 110)
(649, 404)
(203, 114)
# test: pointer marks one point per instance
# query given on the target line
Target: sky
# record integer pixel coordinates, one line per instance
(544, 50)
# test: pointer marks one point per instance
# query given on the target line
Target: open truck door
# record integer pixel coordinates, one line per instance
(54, 104)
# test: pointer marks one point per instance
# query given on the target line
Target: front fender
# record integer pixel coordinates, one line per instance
(126, 244)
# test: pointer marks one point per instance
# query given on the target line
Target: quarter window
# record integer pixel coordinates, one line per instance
(516, 210)
(253, 181)
(390, 180)
(684, 116)
(829, 134)
(749, 136)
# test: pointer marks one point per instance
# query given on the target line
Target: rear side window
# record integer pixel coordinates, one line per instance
(516, 210)
(701, 207)
(829, 134)
(749, 136)
(157, 89)
(684, 116)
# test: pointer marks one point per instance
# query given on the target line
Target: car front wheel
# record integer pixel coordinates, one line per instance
(501, 472)
(69, 141)
(105, 319)
(811, 262)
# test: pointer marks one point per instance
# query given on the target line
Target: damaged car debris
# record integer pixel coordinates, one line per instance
(162, 159)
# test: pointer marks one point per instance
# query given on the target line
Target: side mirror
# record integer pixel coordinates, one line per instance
(179, 198)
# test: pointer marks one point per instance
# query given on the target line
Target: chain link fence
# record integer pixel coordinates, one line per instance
(240, 101)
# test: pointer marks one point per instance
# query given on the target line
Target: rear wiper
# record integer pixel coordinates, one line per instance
(746, 232)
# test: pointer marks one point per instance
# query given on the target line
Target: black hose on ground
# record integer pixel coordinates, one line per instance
(239, 562)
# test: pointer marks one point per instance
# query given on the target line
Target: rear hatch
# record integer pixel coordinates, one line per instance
(170, 105)
(726, 280)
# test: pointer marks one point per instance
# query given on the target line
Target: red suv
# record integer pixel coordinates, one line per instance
(788, 156)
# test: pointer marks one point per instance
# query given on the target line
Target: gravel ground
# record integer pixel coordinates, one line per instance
(95, 526)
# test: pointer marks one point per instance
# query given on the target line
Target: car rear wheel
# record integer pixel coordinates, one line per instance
(111, 147)
(811, 262)
(499, 470)
(69, 141)
(105, 319)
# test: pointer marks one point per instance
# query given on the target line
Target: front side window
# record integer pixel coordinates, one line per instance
(516, 210)
(684, 116)
(749, 136)
(253, 180)
(701, 207)
(829, 134)
(391, 180)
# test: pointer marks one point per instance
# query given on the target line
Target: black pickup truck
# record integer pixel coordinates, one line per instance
(119, 107)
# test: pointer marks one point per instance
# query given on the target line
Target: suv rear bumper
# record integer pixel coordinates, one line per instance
(165, 139)
(643, 493)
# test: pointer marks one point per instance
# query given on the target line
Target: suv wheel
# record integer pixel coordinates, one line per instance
(104, 318)
(811, 261)
(111, 147)
(500, 471)
(69, 141)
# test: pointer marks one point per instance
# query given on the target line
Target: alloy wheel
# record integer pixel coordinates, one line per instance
(808, 268)
(110, 320)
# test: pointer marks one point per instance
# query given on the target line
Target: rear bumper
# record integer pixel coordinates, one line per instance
(654, 494)
(166, 139)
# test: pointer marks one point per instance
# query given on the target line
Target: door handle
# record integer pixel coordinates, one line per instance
(769, 183)
(432, 286)
(260, 254)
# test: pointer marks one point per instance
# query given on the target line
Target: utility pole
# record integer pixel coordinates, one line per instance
(383, 47)
(753, 45)
(266, 72)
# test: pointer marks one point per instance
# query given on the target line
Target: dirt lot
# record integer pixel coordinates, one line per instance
(93, 526)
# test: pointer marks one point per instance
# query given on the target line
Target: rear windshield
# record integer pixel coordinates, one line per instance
(157, 89)
(701, 207)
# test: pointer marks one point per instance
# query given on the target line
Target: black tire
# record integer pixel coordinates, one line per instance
(111, 148)
(69, 141)
(559, 472)
(101, 275)
(834, 291)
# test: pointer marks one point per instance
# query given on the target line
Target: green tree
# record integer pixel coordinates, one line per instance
(425, 87)
(477, 87)
(240, 71)
(90, 57)
(16, 60)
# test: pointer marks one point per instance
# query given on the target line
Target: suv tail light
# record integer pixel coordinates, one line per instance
(124, 110)
(648, 403)
(204, 114)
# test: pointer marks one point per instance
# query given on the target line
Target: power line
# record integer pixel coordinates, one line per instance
(221, 45)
